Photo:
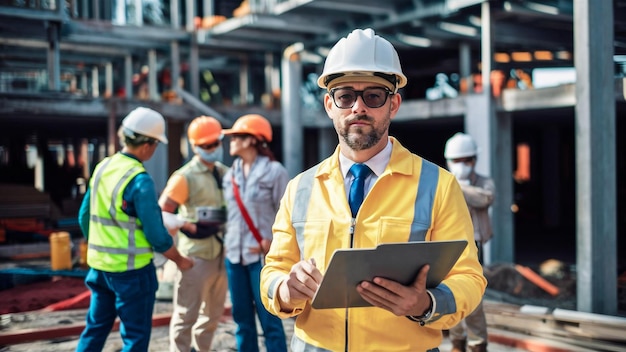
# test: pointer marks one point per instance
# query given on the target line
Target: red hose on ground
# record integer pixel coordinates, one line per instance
(78, 301)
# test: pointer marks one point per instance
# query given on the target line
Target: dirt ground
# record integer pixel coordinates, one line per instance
(503, 279)
(34, 296)
(38, 295)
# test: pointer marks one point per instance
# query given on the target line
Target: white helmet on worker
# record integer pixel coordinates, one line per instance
(363, 56)
(146, 122)
(460, 145)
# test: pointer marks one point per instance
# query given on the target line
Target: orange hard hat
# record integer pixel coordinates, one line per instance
(253, 124)
(204, 130)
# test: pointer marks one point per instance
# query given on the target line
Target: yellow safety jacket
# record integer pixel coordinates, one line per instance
(412, 200)
(116, 240)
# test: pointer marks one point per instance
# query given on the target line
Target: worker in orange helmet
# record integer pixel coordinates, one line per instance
(253, 188)
(195, 192)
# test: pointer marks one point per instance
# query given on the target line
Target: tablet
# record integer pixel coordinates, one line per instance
(396, 261)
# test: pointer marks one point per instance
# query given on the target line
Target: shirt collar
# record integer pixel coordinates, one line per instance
(377, 163)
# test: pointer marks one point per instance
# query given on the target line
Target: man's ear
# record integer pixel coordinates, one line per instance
(396, 100)
(328, 104)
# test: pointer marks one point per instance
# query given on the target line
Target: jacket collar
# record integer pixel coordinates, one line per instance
(400, 162)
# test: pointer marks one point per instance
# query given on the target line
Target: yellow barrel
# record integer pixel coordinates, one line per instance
(83, 254)
(60, 251)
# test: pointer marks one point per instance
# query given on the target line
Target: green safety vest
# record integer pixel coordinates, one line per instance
(116, 240)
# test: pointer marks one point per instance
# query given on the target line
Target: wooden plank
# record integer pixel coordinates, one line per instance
(572, 325)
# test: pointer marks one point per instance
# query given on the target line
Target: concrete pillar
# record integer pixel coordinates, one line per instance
(112, 142)
(128, 76)
(465, 65)
(95, 82)
(175, 14)
(208, 8)
(53, 56)
(244, 81)
(153, 91)
(190, 13)
(596, 210)
(291, 102)
(194, 68)
(119, 17)
(494, 138)
(84, 83)
(108, 80)
(138, 13)
(175, 67)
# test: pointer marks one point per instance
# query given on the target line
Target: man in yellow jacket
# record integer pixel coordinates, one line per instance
(404, 198)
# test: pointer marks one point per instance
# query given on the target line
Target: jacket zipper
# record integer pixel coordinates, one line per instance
(352, 226)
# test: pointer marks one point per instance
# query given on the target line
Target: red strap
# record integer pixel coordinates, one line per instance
(244, 212)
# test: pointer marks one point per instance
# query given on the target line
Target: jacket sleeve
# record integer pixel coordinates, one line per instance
(143, 195)
(83, 214)
(481, 195)
(462, 290)
(283, 254)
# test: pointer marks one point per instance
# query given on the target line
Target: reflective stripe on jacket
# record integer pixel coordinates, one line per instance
(116, 240)
(412, 200)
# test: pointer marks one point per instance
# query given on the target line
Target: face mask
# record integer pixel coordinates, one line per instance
(210, 157)
(460, 170)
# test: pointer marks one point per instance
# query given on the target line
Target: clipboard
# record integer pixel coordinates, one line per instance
(396, 261)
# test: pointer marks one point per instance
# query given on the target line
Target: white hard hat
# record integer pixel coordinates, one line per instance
(363, 56)
(146, 122)
(460, 145)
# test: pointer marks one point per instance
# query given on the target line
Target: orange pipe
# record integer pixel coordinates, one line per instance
(54, 332)
(537, 280)
(69, 303)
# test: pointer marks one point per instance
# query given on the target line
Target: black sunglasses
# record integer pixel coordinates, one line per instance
(210, 146)
(240, 135)
(345, 98)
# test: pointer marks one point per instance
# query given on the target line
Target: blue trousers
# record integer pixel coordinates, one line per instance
(129, 295)
(245, 294)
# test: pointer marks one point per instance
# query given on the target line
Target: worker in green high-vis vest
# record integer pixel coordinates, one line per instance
(121, 219)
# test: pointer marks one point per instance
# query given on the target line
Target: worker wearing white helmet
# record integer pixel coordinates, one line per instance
(143, 124)
(479, 192)
(363, 56)
(121, 220)
(364, 195)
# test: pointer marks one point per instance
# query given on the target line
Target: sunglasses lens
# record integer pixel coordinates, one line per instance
(209, 146)
(345, 98)
(375, 97)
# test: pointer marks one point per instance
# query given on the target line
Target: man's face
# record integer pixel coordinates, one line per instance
(361, 127)
(148, 150)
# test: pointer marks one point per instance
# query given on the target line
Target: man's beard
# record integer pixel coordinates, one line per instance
(357, 139)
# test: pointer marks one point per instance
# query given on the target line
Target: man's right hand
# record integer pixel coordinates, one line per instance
(300, 285)
(184, 263)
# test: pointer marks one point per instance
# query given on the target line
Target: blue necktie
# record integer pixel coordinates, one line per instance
(357, 191)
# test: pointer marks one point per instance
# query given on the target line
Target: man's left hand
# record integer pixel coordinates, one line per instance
(399, 299)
